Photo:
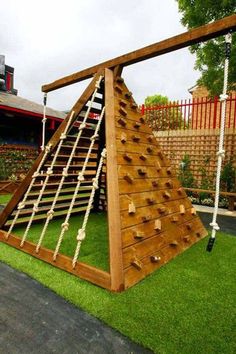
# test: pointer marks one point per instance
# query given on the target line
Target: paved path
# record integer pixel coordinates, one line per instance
(33, 319)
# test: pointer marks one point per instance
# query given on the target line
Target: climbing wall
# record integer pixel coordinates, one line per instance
(104, 157)
(157, 218)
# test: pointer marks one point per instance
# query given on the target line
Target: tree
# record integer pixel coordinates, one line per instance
(162, 114)
(211, 54)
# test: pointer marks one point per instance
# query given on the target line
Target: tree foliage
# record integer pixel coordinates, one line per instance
(210, 55)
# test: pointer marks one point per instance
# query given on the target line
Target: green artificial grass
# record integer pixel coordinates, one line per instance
(187, 306)
(4, 198)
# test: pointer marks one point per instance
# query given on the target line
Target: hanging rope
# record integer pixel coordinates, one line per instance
(48, 174)
(81, 232)
(221, 151)
(44, 121)
(65, 224)
(50, 213)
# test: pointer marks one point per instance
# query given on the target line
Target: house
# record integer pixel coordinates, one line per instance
(21, 119)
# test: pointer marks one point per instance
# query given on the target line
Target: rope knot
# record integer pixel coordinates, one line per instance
(35, 208)
(223, 97)
(65, 172)
(80, 177)
(48, 147)
(49, 171)
(65, 226)
(36, 174)
(221, 153)
(81, 235)
(82, 126)
(50, 213)
(95, 136)
(95, 183)
(63, 136)
(215, 226)
(104, 153)
(21, 205)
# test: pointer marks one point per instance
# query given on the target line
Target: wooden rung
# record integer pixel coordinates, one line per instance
(146, 218)
(143, 157)
(118, 88)
(142, 171)
(132, 208)
(150, 149)
(128, 94)
(182, 209)
(155, 259)
(136, 125)
(128, 178)
(150, 200)
(157, 225)
(136, 138)
(122, 121)
(169, 183)
(127, 157)
(155, 184)
(123, 111)
(138, 235)
(123, 138)
(137, 264)
(123, 103)
(166, 195)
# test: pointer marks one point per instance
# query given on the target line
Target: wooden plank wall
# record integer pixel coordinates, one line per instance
(157, 219)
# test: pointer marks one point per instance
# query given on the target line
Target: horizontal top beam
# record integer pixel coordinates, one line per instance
(183, 40)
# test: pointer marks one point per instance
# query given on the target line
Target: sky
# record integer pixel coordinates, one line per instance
(45, 40)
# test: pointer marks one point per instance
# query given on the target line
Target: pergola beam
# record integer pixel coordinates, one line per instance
(194, 36)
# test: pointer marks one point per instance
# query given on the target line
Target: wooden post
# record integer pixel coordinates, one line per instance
(113, 208)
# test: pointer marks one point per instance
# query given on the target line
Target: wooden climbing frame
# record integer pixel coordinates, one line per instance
(150, 218)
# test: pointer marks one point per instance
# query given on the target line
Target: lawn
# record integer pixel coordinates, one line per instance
(4, 198)
(187, 306)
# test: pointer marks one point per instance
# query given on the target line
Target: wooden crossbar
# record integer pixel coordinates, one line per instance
(194, 36)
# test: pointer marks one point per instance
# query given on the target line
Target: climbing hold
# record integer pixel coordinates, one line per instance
(122, 111)
(155, 183)
(142, 171)
(189, 226)
(123, 138)
(118, 89)
(180, 191)
(150, 200)
(169, 171)
(187, 238)
(142, 119)
(135, 138)
(119, 79)
(155, 259)
(127, 157)
(182, 209)
(173, 243)
(146, 218)
(169, 183)
(128, 178)
(123, 103)
(136, 125)
(122, 121)
(138, 235)
(166, 195)
(158, 166)
(150, 149)
(157, 225)
(174, 218)
(160, 154)
(193, 211)
(143, 157)
(132, 208)
(137, 264)
(161, 209)
(128, 94)
(150, 138)
(134, 105)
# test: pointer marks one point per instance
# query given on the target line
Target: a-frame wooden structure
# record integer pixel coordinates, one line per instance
(150, 218)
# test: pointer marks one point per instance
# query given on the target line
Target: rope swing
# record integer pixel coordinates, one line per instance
(44, 121)
(221, 151)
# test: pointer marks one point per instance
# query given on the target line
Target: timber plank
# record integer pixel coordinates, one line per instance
(83, 270)
(196, 35)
